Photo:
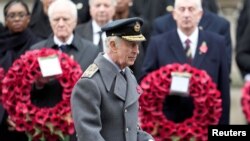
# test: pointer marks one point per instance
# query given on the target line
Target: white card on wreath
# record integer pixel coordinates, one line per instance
(50, 65)
(180, 83)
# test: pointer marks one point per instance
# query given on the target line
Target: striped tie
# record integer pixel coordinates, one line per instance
(188, 51)
(100, 43)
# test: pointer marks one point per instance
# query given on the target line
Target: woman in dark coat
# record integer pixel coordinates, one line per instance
(15, 40)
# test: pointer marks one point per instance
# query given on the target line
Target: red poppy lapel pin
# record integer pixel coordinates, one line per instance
(203, 48)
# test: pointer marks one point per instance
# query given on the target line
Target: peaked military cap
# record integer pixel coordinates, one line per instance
(128, 29)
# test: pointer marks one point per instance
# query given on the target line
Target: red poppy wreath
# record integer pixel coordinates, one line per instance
(48, 124)
(245, 100)
(206, 100)
(1, 78)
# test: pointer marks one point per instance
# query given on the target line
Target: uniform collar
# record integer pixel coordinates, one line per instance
(112, 62)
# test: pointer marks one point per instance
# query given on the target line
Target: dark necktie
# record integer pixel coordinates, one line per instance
(100, 43)
(123, 74)
(188, 51)
(63, 47)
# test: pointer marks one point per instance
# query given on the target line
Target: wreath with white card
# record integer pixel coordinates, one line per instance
(206, 100)
(53, 123)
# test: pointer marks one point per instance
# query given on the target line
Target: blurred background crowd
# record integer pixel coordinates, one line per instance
(228, 18)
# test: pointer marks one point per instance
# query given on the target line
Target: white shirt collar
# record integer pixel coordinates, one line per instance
(193, 37)
(96, 27)
(68, 42)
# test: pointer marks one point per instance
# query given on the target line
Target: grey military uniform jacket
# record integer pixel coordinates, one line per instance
(105, 105)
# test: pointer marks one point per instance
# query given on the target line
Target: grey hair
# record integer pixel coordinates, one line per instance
(116, 39)
(197, 2)
(114, 2)
(63, 3)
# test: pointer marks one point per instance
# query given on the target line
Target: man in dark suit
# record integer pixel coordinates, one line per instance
(169, 47)
(101, 13)
(151, 9)
(63, 19)
(105, 100)
(209, 22)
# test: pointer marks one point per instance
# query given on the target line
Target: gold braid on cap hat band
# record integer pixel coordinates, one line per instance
(134, 38)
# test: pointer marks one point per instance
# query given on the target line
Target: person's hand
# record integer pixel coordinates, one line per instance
(12, 125)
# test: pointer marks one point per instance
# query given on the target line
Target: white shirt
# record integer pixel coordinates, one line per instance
(193, 38)
(68, 42)
(96, 37)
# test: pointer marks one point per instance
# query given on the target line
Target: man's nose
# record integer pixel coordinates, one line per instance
(61, 22)
(186, 12)
(136, 49)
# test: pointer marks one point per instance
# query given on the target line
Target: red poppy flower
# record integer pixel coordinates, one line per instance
(52, 124)
(245, 100)
(203, 47)
(206, 100)
(1, 78)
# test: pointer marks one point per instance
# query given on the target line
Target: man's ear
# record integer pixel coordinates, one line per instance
(113, 46)
(174, 14)
(200, 15)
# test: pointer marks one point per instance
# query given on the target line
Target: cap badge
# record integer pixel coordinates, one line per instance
(137, 27)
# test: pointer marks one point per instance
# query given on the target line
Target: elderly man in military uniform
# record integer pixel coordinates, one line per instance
(105, 100)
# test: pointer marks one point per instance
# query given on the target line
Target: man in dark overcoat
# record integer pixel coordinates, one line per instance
(209, 22)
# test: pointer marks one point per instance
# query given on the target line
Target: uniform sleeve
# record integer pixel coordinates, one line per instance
(144, 136)
(85, 104)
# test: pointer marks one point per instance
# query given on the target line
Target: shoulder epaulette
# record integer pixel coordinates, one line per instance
(90, 71)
